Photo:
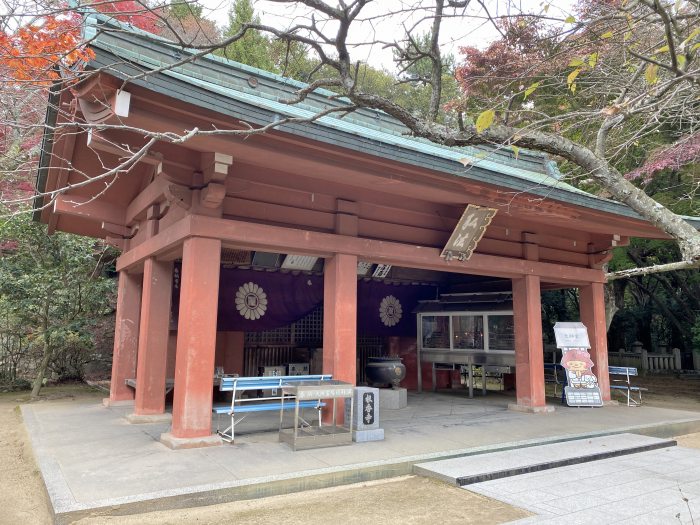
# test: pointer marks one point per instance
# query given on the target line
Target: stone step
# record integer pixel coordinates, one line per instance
(466, 470)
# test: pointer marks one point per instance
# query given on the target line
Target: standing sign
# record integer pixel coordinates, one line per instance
(582, 385)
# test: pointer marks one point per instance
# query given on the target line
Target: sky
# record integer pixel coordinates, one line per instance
(375, 25)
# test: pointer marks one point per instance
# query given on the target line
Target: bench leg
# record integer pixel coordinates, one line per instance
(228, 434)
(471, 381)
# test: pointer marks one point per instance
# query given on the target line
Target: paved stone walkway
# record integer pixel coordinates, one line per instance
(92, 459)
(470, 469)
(656, 487)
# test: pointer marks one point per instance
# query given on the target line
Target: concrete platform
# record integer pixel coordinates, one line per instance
(467, 470)
(94, 462)
(656, 487)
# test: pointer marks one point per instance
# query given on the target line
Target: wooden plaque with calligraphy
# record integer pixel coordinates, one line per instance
(468, 232)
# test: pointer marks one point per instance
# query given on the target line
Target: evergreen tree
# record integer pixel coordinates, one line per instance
(253, 49)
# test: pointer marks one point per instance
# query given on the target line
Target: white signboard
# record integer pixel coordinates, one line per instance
(571, 335)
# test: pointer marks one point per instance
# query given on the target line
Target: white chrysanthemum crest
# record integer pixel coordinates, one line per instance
(251, 301)
(390, 310)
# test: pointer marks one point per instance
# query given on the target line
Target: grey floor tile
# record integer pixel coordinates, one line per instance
(587, 517)
(643, 503)
(531, 497)
(634, 488)
(575, 503)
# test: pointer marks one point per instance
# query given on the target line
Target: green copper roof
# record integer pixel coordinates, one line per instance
(225, 86)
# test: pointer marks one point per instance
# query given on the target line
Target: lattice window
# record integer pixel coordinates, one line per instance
(308, 331)
(281, 346)
(277, 336)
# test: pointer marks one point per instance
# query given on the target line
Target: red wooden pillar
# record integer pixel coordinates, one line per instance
(153, 338)
(592, 307)
(196, 345)
(340, 320)
(529, 353)
(126, 338)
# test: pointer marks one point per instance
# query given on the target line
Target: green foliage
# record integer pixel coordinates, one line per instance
(253, 49)
(696, 335)
(658, 308)
(52, 288)
(182, 9)
(557, 305)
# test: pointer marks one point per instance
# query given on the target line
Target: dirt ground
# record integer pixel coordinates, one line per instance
(23, 499)
(408, 500)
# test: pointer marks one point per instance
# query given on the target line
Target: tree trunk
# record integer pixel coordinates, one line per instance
(41, 372)
(610, 306)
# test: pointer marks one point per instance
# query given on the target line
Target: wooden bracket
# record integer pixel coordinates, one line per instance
(214, 167)
(598, 260)
(179, 195)
(212, 195)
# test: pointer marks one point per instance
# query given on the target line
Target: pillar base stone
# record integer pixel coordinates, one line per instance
(107, 402)
(393, 398)
(176, 443)
(144, 419)
(531, 410)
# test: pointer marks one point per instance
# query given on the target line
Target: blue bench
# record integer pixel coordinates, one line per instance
(240, 407)
(624, 373)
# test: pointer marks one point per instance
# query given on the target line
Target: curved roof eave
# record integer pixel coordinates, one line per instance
(210, 79)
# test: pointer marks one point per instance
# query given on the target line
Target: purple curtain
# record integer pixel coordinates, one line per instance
(387, 309)
(253, 301)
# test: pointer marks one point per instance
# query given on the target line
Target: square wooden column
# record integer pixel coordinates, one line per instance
(340, 322)
(196, 345)
(153, 340)
(592, 308)
(529, 352)
(126, 338)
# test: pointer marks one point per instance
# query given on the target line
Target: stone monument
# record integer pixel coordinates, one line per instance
(366, 415)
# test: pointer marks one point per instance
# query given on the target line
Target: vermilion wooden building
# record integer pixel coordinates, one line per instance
(344, 190)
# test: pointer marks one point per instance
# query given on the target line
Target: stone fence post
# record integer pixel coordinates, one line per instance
(677, 358)
(645, 359)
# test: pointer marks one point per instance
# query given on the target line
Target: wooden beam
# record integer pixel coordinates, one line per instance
(94, 210)
(116, 229)
(103, 143)
(165, 242)
(154, 193)
(352, 170)
(67, 148)
(285, 240)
